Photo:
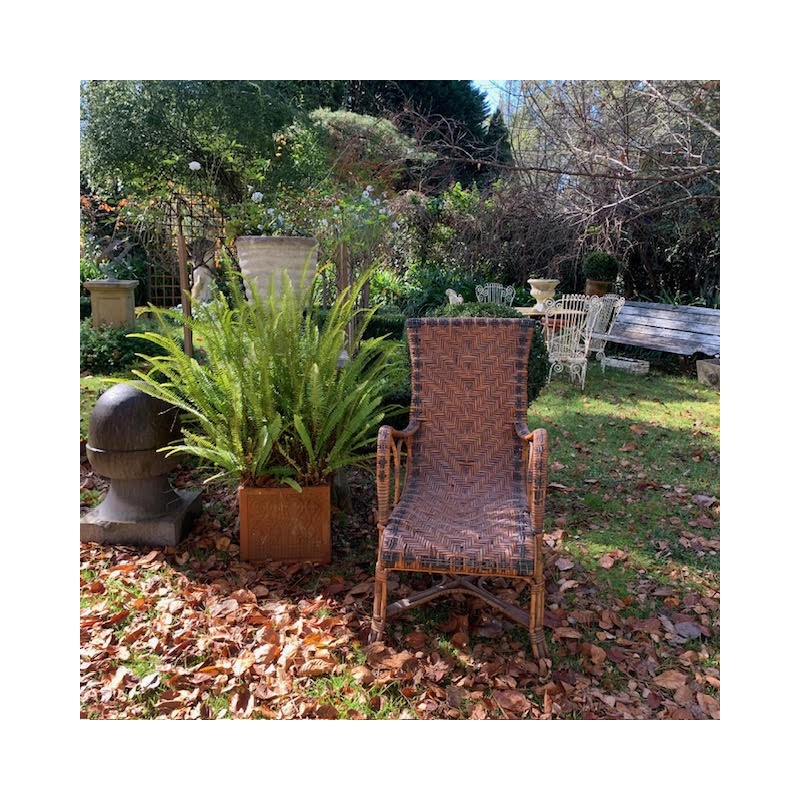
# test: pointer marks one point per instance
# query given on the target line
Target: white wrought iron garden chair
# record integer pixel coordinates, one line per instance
(568, 323)
(610, 306)
(495, 293)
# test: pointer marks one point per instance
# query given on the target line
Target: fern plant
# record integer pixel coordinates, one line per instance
(272, 401)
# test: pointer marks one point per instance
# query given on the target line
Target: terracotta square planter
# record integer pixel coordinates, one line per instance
(285, 525)
(599, 288)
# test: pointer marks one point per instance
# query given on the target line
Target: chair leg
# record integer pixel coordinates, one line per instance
(536, 624)
(379, 607)
(536, 615)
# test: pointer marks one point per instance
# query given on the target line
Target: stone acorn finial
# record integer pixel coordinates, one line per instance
(126, 430)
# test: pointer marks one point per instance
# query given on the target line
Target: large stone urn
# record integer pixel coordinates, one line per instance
(262, 258)
(542, 290)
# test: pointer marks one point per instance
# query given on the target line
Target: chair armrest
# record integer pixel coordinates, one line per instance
(536, 472)
(389, 451)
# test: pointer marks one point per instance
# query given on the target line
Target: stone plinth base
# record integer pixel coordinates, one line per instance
(708, 371)
(165, 530)
(112, 302)
(633, 365)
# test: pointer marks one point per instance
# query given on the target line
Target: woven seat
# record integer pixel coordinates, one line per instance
(476, 534)
(461, 490)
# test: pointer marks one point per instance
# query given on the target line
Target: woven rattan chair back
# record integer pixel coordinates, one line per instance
(468, 388)
(495, 293)
(568, 323)
(472, 499)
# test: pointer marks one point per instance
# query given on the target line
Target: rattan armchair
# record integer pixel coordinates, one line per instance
(461, 491)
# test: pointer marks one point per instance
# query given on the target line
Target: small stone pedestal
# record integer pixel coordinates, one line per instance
(126, 429)
(708, 371)
(112, 302)
(633, 365)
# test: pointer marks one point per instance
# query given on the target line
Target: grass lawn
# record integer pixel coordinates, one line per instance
(632, 620)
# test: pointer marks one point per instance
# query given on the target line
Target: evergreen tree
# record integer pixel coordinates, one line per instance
(498, 142)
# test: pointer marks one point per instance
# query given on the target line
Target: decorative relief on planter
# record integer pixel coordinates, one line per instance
(265, 257)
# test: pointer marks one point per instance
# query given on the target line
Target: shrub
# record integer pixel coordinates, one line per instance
(397, 400)
(473, 310)
(600, 266)
(426, 286)
(538, 365)
(106, 350)
(390, 324)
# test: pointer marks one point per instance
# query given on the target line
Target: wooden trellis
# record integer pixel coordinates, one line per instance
(203, 230)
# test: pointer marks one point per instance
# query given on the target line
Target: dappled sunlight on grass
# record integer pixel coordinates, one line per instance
(634, 476)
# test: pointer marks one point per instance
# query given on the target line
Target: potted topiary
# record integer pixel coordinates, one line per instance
(278, 404)
(600, 270)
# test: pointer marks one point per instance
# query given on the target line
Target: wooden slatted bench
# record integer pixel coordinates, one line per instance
(685, 330)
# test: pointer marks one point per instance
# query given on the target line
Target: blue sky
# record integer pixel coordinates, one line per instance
(492, 92)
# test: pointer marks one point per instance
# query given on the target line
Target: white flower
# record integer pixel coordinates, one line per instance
(194, 166)
(365, 194)
(324, 223)
(256, 197)
(395, 226)
(368, 189)
(270, 211)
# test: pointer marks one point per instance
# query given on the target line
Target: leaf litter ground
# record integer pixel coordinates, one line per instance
(632, 620)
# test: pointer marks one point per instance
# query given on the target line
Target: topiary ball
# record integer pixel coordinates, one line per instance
(600, 266)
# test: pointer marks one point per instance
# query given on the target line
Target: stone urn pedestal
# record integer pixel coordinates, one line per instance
(262, 258)
(112, 302)
(126, 429)
(542, 290)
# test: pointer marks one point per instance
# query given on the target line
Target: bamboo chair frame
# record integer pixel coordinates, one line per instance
(461, 490)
